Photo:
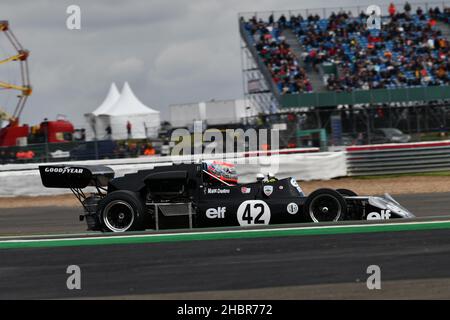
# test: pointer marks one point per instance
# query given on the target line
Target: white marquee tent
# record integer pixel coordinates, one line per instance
(96, 126)
(116, 113)
(128, 108)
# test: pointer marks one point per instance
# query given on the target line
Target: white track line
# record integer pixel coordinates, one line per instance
(358, 226)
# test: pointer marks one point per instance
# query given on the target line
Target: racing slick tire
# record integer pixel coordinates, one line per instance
(121, 211)
(325, 205)
(347, 192)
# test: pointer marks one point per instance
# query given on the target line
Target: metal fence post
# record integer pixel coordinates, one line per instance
(46, 144)
(369, 115)
(190, 215)
(156, 217)
(96, 148)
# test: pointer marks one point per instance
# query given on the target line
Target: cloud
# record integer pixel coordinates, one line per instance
(129, 67)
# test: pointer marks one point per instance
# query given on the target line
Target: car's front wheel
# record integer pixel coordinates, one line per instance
(122, 211)
(347, 192)
(325, 205)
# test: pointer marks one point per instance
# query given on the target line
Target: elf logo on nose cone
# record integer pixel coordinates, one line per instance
(214, 213)
(384, 215)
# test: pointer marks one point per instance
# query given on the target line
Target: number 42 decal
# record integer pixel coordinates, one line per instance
(253, 212)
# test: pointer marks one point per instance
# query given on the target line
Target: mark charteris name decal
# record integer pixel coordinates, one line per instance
(217, 191)
(64, 170)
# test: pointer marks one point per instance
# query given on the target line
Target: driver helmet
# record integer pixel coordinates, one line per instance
(259, 177)
(223, 171)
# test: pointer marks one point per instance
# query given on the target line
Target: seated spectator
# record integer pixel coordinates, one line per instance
(407, 8)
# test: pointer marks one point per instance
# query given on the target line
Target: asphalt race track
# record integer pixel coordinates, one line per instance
(186, 269)
(414, 264)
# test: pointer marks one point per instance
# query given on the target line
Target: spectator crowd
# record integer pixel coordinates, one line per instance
(408, 50)
(277, 55)
(133, 149)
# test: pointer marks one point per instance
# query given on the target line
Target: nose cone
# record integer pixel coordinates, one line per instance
(397, 208)
(388, 203)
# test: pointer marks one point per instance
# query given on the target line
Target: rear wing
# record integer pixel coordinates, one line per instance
(75, 177)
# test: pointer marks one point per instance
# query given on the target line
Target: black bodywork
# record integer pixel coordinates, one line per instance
(184, 195)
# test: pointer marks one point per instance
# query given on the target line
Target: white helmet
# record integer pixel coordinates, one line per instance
(259, 177)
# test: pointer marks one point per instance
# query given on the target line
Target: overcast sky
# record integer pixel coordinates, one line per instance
(171, 51)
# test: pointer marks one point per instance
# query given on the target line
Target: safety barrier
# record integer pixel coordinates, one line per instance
(398, 158)
(143, 160)
(304, 164)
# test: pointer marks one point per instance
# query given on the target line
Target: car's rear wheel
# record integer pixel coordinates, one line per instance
(122, 211)
(325, 205)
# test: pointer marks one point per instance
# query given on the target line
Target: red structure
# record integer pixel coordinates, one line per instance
(57, 131)
(9, 135)
(46, 132)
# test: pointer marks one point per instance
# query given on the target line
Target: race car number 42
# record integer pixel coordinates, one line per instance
(253, 212)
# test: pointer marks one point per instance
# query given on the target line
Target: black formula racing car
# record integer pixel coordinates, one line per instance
(206, 195)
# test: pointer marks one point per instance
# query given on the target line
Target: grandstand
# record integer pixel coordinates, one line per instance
(323, 62)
